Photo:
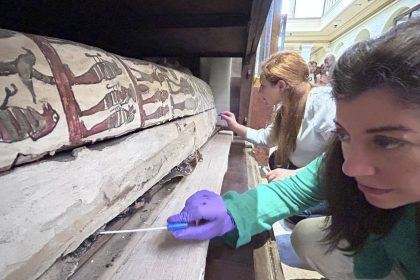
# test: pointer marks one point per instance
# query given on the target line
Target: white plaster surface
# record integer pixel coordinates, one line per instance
(48, 208)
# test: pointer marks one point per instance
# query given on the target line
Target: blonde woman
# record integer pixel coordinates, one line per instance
(303, 124)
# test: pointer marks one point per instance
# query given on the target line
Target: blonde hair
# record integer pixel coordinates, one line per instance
(291, 68)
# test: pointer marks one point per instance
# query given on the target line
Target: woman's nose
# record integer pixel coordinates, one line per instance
(357, 163)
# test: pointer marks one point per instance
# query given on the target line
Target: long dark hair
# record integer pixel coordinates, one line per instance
(391, 61)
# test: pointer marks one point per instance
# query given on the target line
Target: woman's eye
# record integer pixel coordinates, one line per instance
(341, 135)
(388, 142)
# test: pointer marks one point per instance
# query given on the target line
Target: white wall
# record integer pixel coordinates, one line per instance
(319, 55)
(216, 71)
(305, 52)
(375, 25)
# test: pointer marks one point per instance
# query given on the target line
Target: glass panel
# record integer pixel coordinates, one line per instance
(309, 8)
(285, 7)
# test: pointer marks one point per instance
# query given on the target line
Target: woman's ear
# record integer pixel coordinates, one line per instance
(282, 84)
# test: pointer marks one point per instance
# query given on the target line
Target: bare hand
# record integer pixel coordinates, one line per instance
(230, 118)
(279, 173)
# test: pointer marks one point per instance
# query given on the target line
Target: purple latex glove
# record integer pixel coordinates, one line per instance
(209, 209)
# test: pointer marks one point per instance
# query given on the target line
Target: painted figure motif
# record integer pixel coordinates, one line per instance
(101, 70)
(159, 96)
(188, 104)
(160, 112)
(119, 117)
(119, 95)
(182, 84)
(23, 65)
(162, 75)
(159, 73)
(119, 91)
(18, 123)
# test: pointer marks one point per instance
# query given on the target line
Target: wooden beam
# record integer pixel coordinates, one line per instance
(153, 21)
(258, 16)
(275, 29)
(267, 261)
(266, 257)
(124, 30)
(228, 41)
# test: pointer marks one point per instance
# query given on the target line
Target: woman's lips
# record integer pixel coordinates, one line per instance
(369, 190)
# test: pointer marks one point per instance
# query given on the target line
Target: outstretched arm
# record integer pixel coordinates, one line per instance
(257, 209)
(230, 118)
(239, 216)
(259, 137)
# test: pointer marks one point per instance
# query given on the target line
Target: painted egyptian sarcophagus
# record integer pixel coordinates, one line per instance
(138, 120)
(58, 94)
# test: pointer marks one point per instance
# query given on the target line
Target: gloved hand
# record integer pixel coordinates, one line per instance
(209, 209)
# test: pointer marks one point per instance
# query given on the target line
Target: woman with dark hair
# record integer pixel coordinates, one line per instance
(369, 176)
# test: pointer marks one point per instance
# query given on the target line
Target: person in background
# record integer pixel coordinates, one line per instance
(312, 68)
(302, 125)
(322, 76)
(324, 71)
(329, 62)
(369, 176)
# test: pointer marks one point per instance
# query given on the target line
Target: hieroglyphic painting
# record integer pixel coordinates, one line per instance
(56, 93)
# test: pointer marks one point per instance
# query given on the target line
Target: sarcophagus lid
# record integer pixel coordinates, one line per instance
(58, 94)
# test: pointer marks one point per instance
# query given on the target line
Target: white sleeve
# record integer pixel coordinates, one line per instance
(260, 136)
(324, 115)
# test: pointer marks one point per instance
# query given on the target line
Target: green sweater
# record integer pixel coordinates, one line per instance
(257, 209)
